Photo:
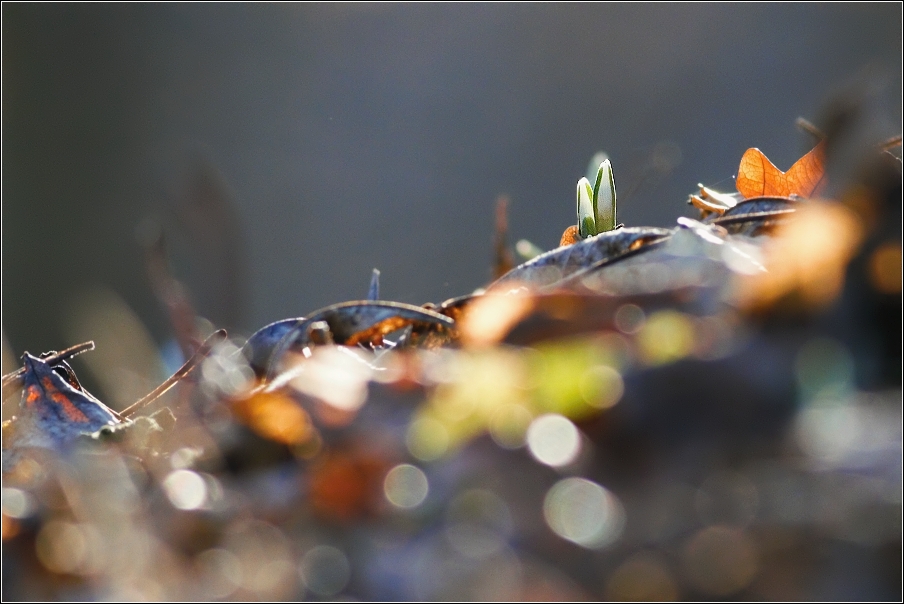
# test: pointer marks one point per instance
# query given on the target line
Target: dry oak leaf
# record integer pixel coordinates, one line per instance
(758, 177)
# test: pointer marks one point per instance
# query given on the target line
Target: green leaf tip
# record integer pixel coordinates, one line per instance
(586, 219)
(604, 200)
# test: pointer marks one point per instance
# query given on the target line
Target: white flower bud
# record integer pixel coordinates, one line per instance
(604, 198)
(586, 220)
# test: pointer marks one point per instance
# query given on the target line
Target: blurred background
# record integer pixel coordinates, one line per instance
(168, 169)
(287, 150)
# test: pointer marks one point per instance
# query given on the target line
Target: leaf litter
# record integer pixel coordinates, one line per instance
(381, 450)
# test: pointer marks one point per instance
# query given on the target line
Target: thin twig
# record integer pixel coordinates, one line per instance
(13, 379)
(808, 127)
(891, 143)
(503, 261)
(205, 350)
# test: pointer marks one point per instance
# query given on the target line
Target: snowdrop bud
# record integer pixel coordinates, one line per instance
(586, 221)
(604, 198)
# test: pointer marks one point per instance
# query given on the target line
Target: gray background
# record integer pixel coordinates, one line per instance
(338, 138)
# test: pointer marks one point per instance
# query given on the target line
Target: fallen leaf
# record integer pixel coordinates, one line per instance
(710, 201)
(757, 216)
(55, 409)
(757, 176)
(570, 236)
(587, 254)
(349, 323)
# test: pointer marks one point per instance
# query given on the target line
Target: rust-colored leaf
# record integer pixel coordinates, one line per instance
(12, 381)
(345, 321)
(570, 236)
(55, 409)
(374, 334)
(757, 176)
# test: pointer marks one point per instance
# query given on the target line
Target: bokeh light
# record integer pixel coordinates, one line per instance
(16, 503)
(824, 369)
(802, 261)
(584, 512)
(509, 424)
(553, 440)
(885, 268)
(226, 371)
(336, 376)
(667, 336)
(853, 433)
(185, 489)
(276, 416)
(427, 438)
(67, 547)
(406, 486)
(185, 457)
(265, 558)
(602, 386)
(567, 376)
(629, 318)
(221, 571)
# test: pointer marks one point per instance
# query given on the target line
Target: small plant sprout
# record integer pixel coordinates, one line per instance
(604, 198)
(596, 204)
(586, 215)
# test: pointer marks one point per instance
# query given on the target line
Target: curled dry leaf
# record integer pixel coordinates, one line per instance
(710, 201)
(757, 176)
(350, 323)
(757, 215)
(591, 253)
(435, 335)
(55, 409)
(13, 380)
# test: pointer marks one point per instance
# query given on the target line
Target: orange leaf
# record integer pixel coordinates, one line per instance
(570, 236)
(757, 176)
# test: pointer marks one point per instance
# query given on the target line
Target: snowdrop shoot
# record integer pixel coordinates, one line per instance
(596, 203)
